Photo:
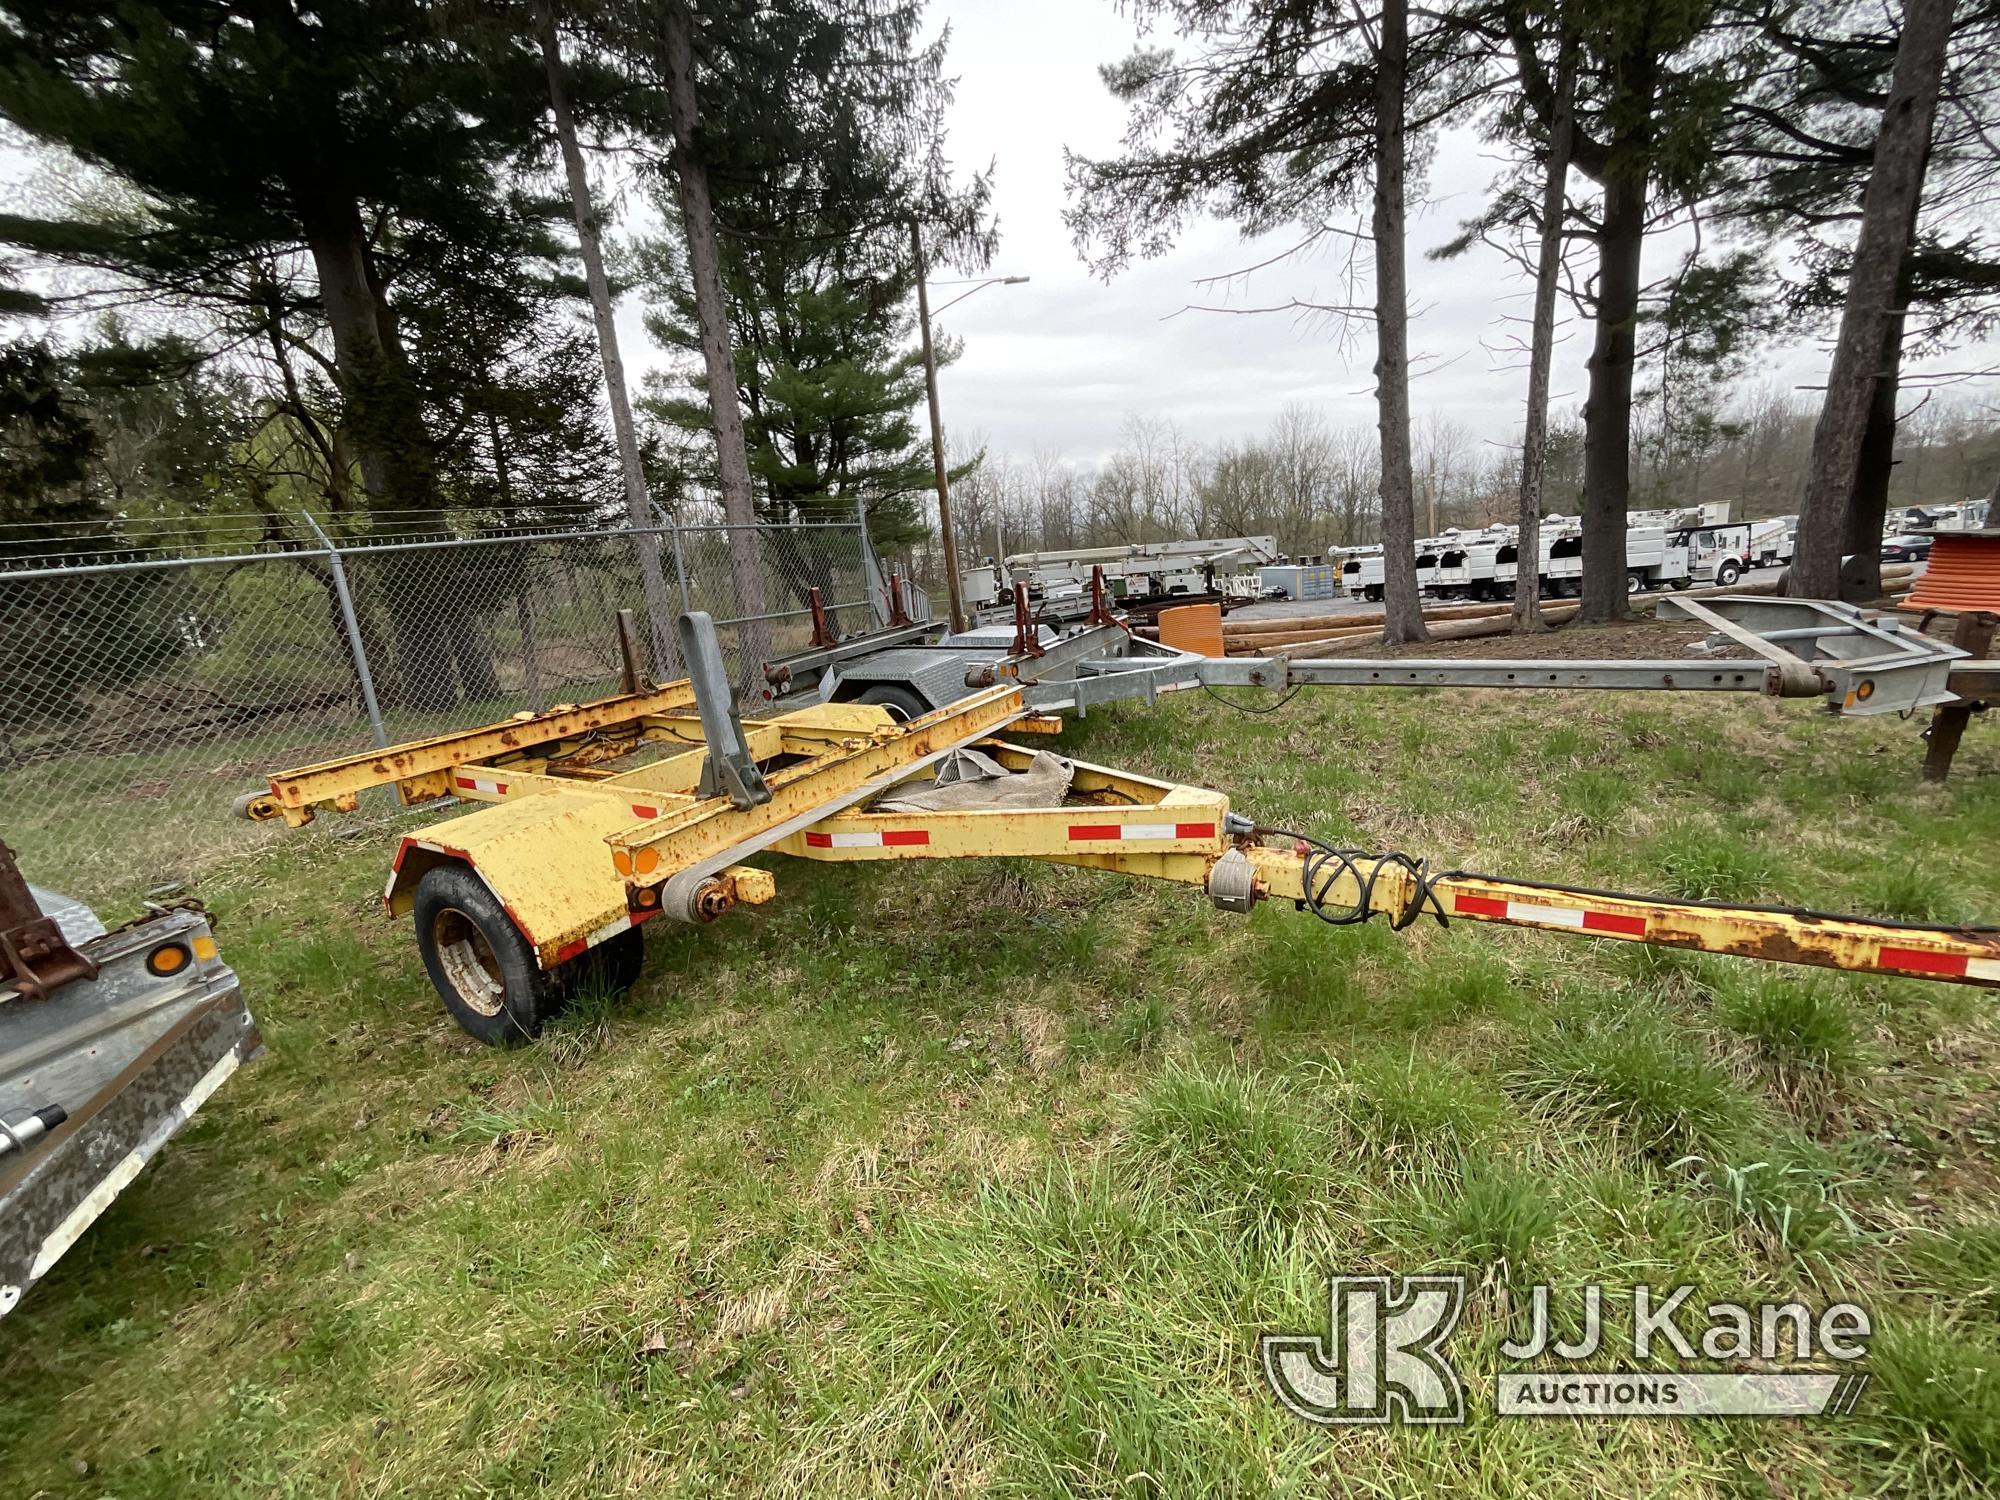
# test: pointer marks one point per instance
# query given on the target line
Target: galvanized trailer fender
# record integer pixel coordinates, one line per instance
(98, 1074)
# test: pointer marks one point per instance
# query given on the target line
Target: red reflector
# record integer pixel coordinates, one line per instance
(819, 840)
(644, 812)
(570, 950)
(1194, 830)
(1610, 921)
(1920, 961)
(468, 783)
(1479, 906)
(907, 836)
(1096, 831)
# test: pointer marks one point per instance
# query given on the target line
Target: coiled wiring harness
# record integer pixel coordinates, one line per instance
(1325, 864)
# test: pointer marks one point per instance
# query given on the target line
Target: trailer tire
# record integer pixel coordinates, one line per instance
(1681, 583)
(904, 704)
(480, 965)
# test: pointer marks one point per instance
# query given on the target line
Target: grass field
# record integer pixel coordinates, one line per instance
(978, 1179)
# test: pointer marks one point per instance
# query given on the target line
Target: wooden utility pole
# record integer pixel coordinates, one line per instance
(660, 611)
(1888, 208)
(1541, 354)
(951, 580)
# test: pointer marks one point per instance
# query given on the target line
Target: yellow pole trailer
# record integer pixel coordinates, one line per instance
(545, 883)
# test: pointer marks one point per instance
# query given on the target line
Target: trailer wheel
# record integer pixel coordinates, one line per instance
(1680, 583)
(903, 703)
(480, 964)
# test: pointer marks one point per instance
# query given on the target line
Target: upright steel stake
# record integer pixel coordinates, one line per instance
(353, 628)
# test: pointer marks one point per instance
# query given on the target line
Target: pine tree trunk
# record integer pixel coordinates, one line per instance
(718, 353)
(1541, 355)
(1867, 516)
(1888, 211)
(383, 424)
(660, 612)
(1607, 411)
(524, 608)
(1403, 613)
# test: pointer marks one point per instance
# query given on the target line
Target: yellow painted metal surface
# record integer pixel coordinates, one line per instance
(574, 856)
(686, 836)
(541, 855)
(298, 792)
(1136, 813)
(1822, 941)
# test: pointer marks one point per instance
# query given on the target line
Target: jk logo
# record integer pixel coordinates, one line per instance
(1382, 1359)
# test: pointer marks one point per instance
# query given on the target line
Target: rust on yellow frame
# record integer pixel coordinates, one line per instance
(541, 848)
(420, 768)
(1829, 942)
(848, 768)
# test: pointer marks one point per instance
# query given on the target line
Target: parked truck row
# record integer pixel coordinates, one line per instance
(1137, 573)
(1663, 549)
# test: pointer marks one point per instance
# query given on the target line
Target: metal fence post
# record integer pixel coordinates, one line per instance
(353, 629)
(871, 568)
(680, 569)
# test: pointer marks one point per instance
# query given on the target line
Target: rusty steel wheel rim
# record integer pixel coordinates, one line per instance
(471, 967)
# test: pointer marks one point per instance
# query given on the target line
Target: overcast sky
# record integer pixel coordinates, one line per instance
(1059, 363)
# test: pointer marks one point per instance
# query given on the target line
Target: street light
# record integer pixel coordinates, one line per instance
(951, 581)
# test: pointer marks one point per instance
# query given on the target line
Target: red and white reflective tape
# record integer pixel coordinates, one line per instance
(481, 784)
(396, 864)
(1092, 833)
(1949, 965)
(603, 934)
(892, 839)
(1582, 918)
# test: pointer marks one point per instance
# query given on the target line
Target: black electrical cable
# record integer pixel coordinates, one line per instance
(1325, 865)
(1244, 708)
(1326, 861)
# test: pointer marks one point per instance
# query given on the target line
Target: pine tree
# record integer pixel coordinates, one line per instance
(359, 136)
(817, 138)
(1287, 114)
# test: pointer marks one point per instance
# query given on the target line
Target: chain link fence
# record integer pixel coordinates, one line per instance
(144, 685)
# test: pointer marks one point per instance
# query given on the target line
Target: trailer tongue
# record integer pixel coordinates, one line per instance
(520, 902)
